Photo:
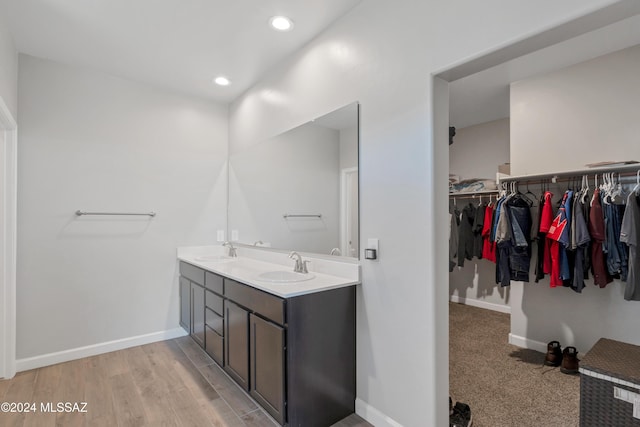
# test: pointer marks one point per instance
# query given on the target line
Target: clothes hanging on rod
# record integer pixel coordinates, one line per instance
(454, 222)
(465, 233)
(601, 275)
(488, 247)
(545, 224)
(478, 224)
(512, 238)
(629, 235)
(581, 235)
(580, 240)
(559, 233)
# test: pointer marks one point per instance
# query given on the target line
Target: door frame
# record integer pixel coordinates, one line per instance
(8, 232)
(345, 179)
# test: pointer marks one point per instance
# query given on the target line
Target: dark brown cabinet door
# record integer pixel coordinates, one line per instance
(185, 304)
(267, 366)
(197, 313)
(236, 342)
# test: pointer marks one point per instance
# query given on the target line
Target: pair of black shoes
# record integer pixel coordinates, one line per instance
(459, 415)
(567, 359)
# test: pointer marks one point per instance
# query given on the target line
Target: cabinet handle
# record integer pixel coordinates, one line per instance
(191, 310)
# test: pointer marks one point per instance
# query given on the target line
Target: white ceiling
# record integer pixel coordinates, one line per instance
(177, 44)
(484, 96)
(183, 44)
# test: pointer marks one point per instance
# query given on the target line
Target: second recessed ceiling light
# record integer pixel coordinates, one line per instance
(281, 23)
(222, 81)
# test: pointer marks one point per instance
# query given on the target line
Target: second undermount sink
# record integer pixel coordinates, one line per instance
(213, 258)
(285, 276)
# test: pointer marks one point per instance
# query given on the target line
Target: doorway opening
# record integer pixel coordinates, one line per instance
(476, 90)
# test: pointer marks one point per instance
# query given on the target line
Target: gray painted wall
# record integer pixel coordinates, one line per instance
(581, 114)
(476, 153)
(99, 143)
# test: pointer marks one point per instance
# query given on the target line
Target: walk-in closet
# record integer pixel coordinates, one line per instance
(554, 135)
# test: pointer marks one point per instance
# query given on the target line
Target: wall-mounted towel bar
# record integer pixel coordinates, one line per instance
(285, 216)
(80, 213)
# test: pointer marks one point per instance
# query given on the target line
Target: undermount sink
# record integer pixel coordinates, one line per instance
(284, 276)
(213, 258)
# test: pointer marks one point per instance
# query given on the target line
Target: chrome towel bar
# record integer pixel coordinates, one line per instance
(285, 216)
(80, 213)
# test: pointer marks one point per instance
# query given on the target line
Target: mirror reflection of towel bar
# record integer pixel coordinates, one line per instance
(285, 216)
(80, 213)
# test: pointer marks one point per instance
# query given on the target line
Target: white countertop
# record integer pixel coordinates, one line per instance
(250, 263)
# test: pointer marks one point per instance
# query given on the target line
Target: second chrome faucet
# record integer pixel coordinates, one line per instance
(300, 265)
(232, 249)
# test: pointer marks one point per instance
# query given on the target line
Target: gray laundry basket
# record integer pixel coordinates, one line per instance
(610, 385)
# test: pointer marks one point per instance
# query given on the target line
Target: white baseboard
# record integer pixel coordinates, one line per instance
(95, 349)
(527, 343)
(373, 416)
(481, 304)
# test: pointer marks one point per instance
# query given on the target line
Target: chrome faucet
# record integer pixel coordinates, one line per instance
(301, 266)
(335, 251)
(232, 250)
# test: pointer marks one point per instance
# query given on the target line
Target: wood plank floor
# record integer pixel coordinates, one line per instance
(168, 383)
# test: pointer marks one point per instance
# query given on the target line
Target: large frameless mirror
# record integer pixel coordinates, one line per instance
(299, 190)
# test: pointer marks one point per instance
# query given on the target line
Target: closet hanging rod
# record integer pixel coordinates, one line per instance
(633, 167)
(81, 213)
(285, 216)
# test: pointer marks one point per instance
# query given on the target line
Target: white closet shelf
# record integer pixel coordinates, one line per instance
(633, 167)
(473, 193)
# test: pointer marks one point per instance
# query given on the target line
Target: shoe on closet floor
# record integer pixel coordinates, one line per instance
(554, 354)
(461, 416)
(570, 361)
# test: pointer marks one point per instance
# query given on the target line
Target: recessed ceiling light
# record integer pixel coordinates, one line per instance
(281, 23)
(222, 81)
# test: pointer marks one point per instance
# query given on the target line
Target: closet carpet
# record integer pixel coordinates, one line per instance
(503, 384)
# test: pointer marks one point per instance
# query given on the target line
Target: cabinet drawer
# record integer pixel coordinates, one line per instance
(214, 302)
(192, 273)
(214, 282)
(214, 345)
(266, 304)
(214, 321)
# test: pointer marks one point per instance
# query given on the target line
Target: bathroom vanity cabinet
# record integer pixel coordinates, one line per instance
(295, 356)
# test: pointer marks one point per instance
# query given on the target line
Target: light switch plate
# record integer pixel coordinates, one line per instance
(234, 235)
(372, 250)
(220, 236)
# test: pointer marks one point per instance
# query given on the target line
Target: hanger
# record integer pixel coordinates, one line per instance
(617, 194)
(524, 196)
(605, 187)
(637, 187)
(503, 190)
(530, 192)
(585, 189)
(595, 180)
